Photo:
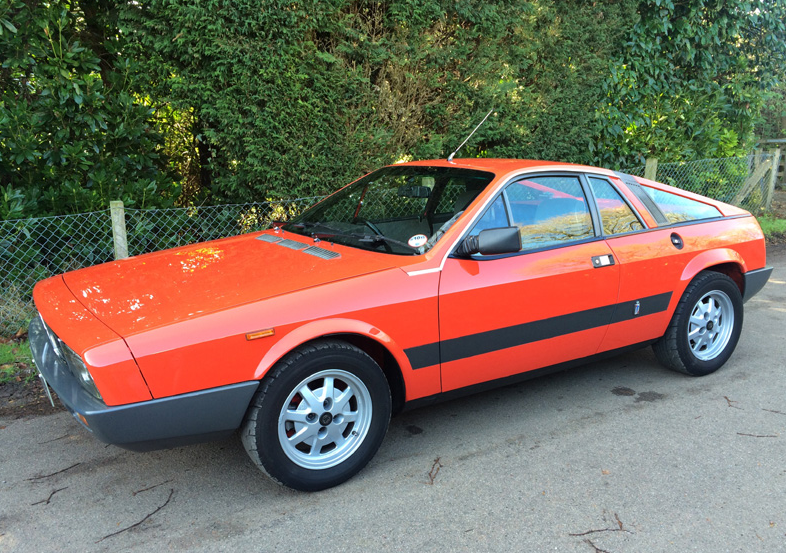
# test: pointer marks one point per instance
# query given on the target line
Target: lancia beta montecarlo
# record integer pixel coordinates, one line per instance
(417, 282)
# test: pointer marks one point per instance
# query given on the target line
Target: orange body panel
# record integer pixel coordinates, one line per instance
(482, 296)
(215, 352)
(108, 359)
(651, 265)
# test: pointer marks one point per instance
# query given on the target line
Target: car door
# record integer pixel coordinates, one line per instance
(548, 303)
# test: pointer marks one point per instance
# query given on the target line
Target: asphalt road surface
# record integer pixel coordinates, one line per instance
(616, 456)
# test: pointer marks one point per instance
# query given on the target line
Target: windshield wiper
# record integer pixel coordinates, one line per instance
(359, 236)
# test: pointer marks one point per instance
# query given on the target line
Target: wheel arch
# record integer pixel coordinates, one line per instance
(385, 359)
(375, 343)
(726, 261)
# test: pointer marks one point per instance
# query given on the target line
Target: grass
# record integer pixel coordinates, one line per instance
(16, 361)
(771, 224)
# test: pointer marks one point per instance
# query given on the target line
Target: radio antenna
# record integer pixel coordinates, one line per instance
(450, 157)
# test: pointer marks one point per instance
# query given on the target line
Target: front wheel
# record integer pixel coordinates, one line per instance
(705, 327)
(319, 416)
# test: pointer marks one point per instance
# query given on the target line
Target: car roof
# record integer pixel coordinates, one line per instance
(502, 166)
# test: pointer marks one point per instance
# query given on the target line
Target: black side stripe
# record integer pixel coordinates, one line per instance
(647, 306)
(526, 333)
(423, 356)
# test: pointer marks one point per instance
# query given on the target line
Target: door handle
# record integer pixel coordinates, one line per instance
(599, 261)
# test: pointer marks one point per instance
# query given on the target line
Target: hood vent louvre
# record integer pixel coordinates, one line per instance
(316, 251)
(291, 244)
(321, 253)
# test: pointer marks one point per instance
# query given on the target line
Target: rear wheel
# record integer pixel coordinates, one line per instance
(705, 327)
(319, 416)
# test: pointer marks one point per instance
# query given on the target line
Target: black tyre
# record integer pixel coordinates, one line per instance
(705, 327)
(319, 416)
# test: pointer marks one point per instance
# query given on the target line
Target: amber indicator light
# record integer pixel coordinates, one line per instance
(260, 334)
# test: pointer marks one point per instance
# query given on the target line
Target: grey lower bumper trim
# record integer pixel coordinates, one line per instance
(174, 421)
(155, 424)
(755, 281)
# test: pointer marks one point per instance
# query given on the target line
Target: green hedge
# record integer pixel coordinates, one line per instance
(74, 132)
(294, 98)
(177, 102)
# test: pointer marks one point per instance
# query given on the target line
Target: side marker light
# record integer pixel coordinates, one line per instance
(260, 334)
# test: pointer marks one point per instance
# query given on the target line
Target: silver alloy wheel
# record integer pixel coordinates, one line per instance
(711, 324)
(325, 419)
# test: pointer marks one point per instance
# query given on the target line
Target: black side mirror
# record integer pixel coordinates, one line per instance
(491, 241)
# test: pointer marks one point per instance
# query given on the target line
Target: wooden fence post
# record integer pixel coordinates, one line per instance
(776, 163)
(755, 176)
(651, 168)
(119, 229)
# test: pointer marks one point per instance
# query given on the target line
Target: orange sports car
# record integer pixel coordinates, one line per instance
(417, 282)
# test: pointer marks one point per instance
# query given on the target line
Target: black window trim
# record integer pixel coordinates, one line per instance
(636, 214)
(644, 198)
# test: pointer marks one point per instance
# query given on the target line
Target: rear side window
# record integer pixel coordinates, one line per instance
(617, 217)
(678, 209)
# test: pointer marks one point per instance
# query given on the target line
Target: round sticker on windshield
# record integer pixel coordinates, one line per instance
(417, 240)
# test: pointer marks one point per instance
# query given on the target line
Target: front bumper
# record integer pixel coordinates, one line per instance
(144, 426)
(755, 281)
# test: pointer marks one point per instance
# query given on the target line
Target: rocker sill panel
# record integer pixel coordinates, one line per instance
(526, 333)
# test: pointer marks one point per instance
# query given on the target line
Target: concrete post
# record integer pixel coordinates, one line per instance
(651, 168)
(119, 229)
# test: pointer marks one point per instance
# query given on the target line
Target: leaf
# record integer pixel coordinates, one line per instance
(8, 25)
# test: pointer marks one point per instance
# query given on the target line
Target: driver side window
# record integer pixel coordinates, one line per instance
(548, 211)
(496, 216)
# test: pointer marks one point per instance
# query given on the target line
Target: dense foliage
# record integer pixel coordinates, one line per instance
(295, 98)
(773, 121)
(168, 101)
(692, 79)
(73, 135)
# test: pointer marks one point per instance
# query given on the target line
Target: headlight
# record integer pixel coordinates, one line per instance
(75, 363)
(79, 370)
(54, 341)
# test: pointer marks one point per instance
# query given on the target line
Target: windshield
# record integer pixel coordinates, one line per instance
(399, 209)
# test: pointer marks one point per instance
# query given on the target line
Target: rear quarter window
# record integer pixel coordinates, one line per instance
(678, 209)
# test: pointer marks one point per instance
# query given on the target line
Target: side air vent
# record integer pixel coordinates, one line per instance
(269, 238)
(321, 253)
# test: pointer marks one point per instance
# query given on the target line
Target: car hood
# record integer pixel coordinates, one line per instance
(152, 290)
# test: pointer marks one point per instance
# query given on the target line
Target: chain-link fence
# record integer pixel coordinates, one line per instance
(746, 181)
(33, 249)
